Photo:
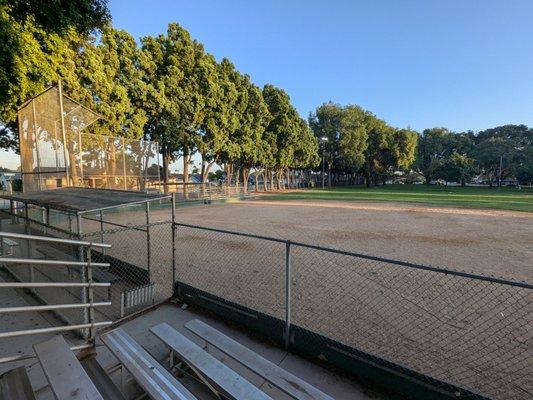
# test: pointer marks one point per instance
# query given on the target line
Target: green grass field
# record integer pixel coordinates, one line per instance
(470, 197)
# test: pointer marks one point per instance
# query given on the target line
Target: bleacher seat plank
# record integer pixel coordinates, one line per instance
(15, 385)
(66, 376)
(277, 376)
(224, 380)
(149, 374)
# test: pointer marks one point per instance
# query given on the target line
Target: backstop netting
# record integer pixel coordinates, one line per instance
(56, 152)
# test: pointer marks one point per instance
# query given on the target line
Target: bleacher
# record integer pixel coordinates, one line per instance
(74, 377)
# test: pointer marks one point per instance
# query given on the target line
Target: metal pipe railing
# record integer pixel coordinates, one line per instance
(9, 260)
(23, 285)
(53, 307)
(52, 329)
(54, 240)
(87, 284)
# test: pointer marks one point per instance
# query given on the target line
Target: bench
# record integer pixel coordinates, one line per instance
(15, 385)
(277, 376)
(101, 379)
(156, 381)
(218, 376)
(66, 376)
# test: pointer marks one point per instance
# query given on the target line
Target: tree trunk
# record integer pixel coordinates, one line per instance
(245, 176)
(256, 184)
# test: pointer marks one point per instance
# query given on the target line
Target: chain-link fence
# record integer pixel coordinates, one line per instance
(465, 335)
(457, 330)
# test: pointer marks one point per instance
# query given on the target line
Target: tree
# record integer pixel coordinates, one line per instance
(59, 16)
(457, 168)
(175, 73)
(377, 155)
(326, 123)
(353, 138)
(433, 147)
(282, 130)
(505, 145)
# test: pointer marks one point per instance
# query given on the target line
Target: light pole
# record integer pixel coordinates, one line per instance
(323, 140)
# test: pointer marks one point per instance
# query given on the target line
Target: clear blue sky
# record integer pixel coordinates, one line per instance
(463, 64)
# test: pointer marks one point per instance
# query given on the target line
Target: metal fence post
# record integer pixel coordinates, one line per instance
(287, 293)
(27, 230)
(173, 240)
(148, 253)
(90, 295)
(84, 292)
(102, 230)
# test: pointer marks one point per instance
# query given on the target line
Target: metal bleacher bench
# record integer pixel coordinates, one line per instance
(156, 381)
(216, 375)
(278, 377)
(66, 376)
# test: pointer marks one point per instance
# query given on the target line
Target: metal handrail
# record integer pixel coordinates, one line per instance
(55, 240)
(9, 260)
(87, 284)
(64, 328)
(23, 285)
(53, 307)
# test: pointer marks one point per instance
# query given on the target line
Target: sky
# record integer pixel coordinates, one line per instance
(462, 64)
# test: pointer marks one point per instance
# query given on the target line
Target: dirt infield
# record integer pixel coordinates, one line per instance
(465, 331)
(479, 241)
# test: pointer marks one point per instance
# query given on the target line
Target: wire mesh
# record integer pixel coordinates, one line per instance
(467, 331)
(244, 270)
(55, 152)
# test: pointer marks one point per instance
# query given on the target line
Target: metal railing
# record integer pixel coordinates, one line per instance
(87, 284)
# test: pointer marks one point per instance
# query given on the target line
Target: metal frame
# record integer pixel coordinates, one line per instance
(87, 285)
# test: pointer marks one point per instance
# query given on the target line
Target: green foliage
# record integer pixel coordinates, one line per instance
(61, 15)
(433, 148)
(457, 168)
(356, 141)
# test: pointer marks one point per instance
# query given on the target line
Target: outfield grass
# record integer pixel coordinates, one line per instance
(470, 197)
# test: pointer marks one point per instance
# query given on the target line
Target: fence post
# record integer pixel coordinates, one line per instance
(102, 230)
(287, 293)
(173, 240)
(27, 230)
(90, 293)
(84, 292)
(148, 253)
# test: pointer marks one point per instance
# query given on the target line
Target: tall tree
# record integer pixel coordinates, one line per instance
(283, 129)
(326, 123)
(433, 148)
